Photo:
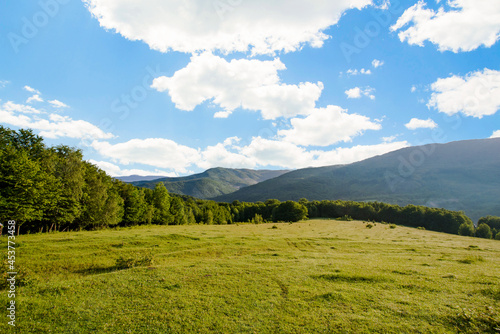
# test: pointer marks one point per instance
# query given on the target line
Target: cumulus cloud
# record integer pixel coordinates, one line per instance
(49, 125)
(20, 108)
(226, 155)
(466, 26)
(116, 171)
(287, 155)
(247, 84)
(58, 104)
(164, 154)
(476, 95)
(377, 63)
(31, 90)
(327, 126)
(357, 93)
(34, 98)
(358, 72)
(496, 134)
(416, 123)
(191, 26)
(353, 154)
(156, 152)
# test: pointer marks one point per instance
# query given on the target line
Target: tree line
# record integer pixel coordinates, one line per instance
(53, 189)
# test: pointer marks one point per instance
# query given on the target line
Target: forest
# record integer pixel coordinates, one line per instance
(46, 189)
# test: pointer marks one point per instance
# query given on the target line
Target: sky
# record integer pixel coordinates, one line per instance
(171, 88)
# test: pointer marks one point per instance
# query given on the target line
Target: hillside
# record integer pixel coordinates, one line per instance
(213, 182)
(461, 175)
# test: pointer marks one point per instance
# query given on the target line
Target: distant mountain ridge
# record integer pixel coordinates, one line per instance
(213, 182)
(462, 175)
(137, 178)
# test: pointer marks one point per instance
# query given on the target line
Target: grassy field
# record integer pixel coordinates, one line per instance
(309, 277)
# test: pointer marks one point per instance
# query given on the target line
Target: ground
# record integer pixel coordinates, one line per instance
(318, 276)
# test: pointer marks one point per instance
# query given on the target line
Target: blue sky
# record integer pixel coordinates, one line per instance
(163, 87)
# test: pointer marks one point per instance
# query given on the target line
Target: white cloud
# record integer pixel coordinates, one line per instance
(116, 171)
(34, 98)
(287, 155)
(191, 26)
(413, 89)
(165, 154)
(476, 95)
(224, 155)
(50, 126)
(247, 84)
(14, 107)
(327, 126)
(468, 25)
(58, 104)
(358, 72)
(496, 134)
(353, 154)
(416, 123)
(4, 83)
(266, 152)
(357, 93)
(377, 63)
(31, 90)
(156, 152)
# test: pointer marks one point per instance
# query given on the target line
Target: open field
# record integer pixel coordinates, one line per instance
(310, 277)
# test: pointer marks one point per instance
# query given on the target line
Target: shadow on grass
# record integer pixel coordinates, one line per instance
(351, 278)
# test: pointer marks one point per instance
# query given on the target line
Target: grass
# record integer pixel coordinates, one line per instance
(310, 277)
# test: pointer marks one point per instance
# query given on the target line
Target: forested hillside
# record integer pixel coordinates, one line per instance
(462, 175)
(213, 182)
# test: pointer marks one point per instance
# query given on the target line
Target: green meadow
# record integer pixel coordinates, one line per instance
(316, 276)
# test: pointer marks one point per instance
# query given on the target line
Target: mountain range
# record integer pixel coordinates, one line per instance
(211, 183)
(462, 176)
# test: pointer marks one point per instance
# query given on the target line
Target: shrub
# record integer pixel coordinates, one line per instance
(466, 229)
(497, 237)
(392, 226)
(369, 226)
(484, 231)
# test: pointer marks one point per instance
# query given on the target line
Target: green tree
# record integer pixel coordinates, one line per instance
(484, 231)
(69, 171)
(101, 204)
(161, 203)
(466, 229)
(21, 187)
(290, 212)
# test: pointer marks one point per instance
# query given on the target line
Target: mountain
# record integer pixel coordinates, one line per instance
(462, 175)
(213, 182)
(136, 178)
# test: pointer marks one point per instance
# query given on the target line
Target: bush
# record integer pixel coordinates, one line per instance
(497, 237)
(466, 230)
(392, 226)
(484, 231)
(369, 226)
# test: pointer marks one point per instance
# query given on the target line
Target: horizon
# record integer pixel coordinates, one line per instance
(142, 91)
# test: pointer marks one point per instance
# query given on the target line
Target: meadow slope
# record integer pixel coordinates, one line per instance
(310, 277)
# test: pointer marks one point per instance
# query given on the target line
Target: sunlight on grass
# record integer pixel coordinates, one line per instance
(310, 277)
